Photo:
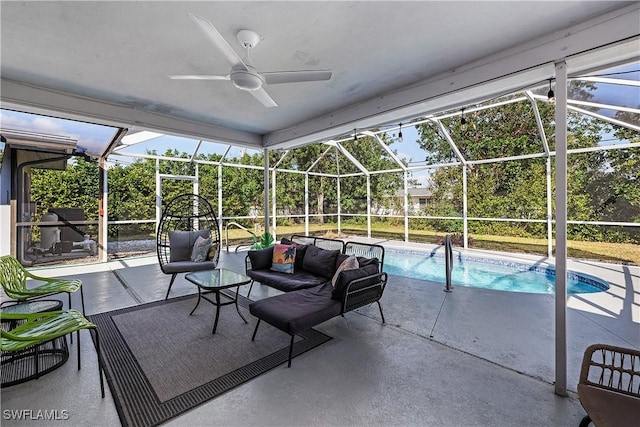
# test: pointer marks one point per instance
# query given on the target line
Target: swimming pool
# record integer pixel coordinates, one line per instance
(500, 275)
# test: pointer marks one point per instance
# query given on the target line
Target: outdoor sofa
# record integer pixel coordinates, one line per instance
(319, 286)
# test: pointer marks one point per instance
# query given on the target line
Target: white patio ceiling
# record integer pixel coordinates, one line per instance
(108, 62)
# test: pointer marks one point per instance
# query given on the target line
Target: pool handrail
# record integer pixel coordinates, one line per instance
(448, 262)
(235, 224)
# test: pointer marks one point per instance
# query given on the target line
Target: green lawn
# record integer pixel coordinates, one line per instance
(598, 251)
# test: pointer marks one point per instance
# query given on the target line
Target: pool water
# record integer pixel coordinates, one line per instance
(488, 273)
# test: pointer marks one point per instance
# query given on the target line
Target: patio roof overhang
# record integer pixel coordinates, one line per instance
(608, 36)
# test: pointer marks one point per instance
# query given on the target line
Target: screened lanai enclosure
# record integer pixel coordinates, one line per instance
(431, 123)
(483, 173)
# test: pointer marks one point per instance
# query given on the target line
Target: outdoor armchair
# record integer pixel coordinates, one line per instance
(13, 277)
(188, 237)
(609, 387)
(39, 328)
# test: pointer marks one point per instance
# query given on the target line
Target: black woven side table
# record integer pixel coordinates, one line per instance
(18, 367)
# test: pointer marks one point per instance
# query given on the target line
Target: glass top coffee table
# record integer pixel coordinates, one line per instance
(213, 281)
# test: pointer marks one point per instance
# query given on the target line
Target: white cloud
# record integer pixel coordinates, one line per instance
(47, 125)
(32, 124)
(12, 122)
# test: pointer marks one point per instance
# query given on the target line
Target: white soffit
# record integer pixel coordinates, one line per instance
(606, 40)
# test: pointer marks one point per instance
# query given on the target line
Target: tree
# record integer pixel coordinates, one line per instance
(329, 160)
(131, 195)
(601, 185)
(75, 186)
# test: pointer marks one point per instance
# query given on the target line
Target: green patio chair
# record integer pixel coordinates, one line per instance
(39, 328)
(13, 277)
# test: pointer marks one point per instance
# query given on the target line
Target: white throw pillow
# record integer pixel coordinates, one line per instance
(350, 263)
(200, 249)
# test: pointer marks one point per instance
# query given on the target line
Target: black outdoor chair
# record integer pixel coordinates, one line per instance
(186, 218)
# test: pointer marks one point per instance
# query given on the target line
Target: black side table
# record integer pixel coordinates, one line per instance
(21, 366)
(214, 281)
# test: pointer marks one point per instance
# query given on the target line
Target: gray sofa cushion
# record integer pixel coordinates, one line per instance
(181, 243)
(187, 266)
(286, 282)
(261, 259)
(363, 262)
(296, 311)
(320, 261)
(346, 276)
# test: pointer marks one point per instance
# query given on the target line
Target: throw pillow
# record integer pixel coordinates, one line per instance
(340, 259)
(346, 276)
(181, 243)
(351, 263)
(211, 254)
(260, 259)
(200, 249)
(300, 251)
(320, 261)
(284, 257)
(368, 261)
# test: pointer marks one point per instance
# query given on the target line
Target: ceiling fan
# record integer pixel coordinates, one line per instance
(243, 73)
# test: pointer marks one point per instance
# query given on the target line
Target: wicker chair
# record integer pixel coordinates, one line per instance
(609, 387)
(186, 218)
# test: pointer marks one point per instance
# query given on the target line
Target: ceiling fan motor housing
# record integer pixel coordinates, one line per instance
(248, 80)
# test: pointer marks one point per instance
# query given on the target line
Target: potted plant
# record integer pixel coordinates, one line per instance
(264, 241)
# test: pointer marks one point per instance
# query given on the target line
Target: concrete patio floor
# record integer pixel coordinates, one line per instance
(472, 357)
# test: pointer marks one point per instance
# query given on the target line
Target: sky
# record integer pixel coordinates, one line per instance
(94, 138)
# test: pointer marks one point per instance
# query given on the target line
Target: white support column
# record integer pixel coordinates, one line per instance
(196, 182)
(545, 145)
(103, 214)
(306, 204)
(158, 195)
(549, 211)
(273, 196)
(465, 207)
(368, 206)
(220, 197)
(196, 190)
(454, 147)
(339, 204)
(339, 195)
(561, 229)
(266, 190)
(406, 205)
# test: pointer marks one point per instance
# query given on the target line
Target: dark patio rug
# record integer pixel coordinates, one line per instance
(160, 362)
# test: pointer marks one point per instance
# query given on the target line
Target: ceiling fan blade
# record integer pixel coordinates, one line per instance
(216, 38)
(262, 96)
(295, 76)
(198, 77)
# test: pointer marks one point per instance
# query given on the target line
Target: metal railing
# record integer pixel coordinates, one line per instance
(235, 224)
(448, 262)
